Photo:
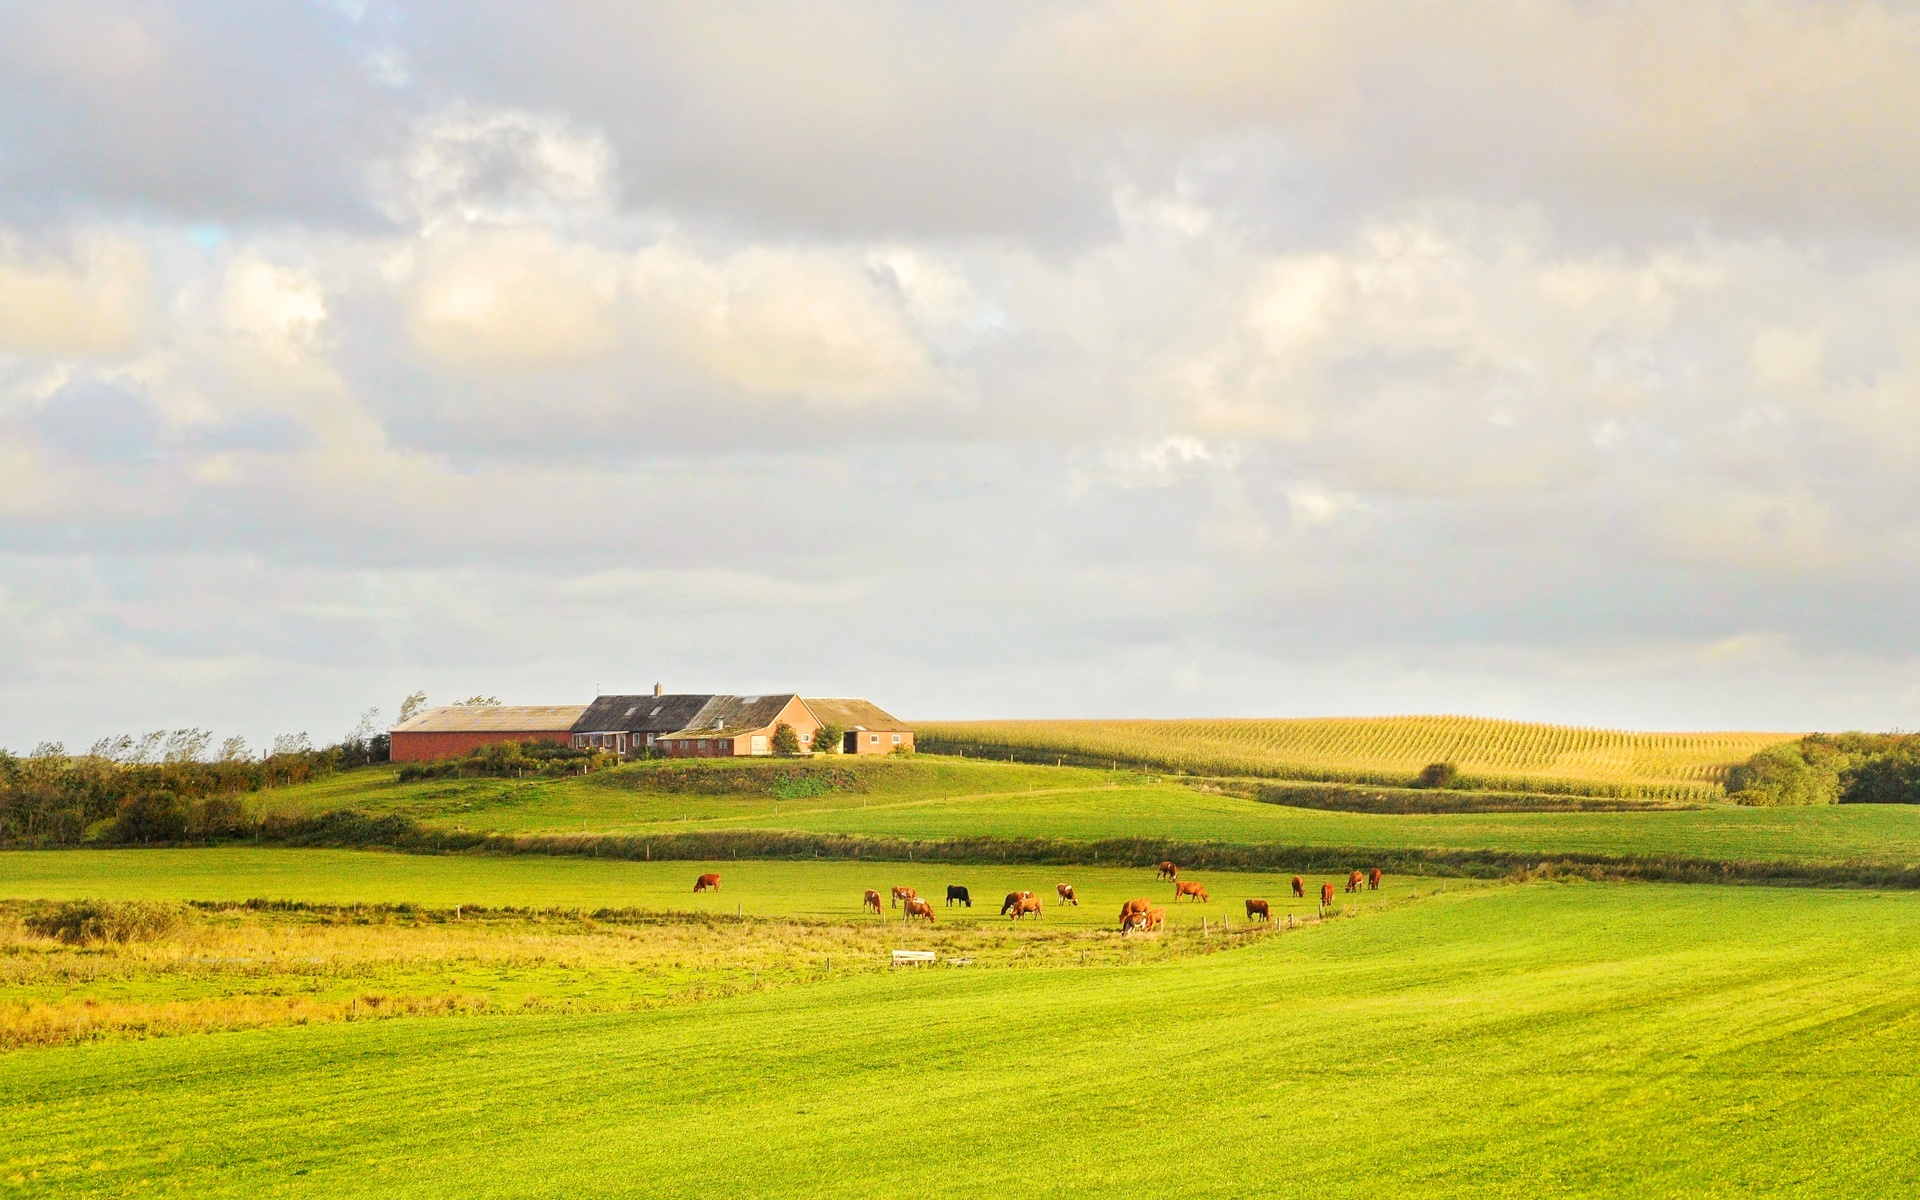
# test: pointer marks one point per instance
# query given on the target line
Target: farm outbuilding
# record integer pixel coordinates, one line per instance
(459, 728)
(869, 729)
(630, 725)
(727, 726)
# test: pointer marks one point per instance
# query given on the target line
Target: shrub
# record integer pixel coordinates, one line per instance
(78, 922)
(1892, 779)
(1802, 772)
(508, 760)
(786, 742)
(826, 739)
(1437, 775)
(150, 817)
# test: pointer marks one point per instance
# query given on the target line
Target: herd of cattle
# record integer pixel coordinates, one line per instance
(1136, 916)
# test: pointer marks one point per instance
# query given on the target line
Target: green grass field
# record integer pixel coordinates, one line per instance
(1535, 1040)
(946, 799)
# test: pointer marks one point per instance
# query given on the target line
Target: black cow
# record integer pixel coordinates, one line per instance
(956, 893)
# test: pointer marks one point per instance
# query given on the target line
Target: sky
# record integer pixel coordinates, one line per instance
(1550, 359)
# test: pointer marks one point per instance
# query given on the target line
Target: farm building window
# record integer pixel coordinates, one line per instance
(896, 739)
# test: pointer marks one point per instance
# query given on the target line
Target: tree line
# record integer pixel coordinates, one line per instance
(1831, 768)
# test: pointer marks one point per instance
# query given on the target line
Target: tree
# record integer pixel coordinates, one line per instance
(786, 742)
(1437, 775)
(478, 701)
(826, 739)
(150, 817)
(410, 708)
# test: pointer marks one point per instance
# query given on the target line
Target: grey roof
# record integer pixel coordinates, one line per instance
(730, 716)
(639, 714)
(492, 718)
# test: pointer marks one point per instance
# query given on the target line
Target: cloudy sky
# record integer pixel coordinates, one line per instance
(1552, 360)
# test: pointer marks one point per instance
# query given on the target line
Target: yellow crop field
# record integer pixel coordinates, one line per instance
(1504, 755)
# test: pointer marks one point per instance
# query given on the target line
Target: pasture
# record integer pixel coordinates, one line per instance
(1545, 1039)
(1384, 750)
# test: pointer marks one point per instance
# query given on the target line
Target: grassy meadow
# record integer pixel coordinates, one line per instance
(1386, 750)
(1547, 1039)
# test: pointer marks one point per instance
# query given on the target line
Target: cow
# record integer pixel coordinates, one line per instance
(1190, 888)
(1168, 871)
(1024, 905)
(1156, 917)
(1131, 909)
(958, 895)
(899, 894)
(1258, 908)
(872, 901)
(707, 882)
(1065, 892)
(1326, 895)
(1373, 880)
(1354, 880)
(1133, 922)
(919, 908)
(1299, 888)
(1013, 898)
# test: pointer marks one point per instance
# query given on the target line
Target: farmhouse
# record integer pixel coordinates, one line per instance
(869, 730)
(629, 725)
(458, 728)
(736, 725)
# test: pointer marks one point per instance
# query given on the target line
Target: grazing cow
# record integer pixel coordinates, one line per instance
(872, 901)
(1354, 880)
(1258, 908)
(1156, 917)
(1133, 922)
(1133, 908)
(1024, 905)
(1013, 898)
(1168, 871)
(1299, 888)
(1373, 880)
(1065, 892)
(1190, 888)
(958, 895)
(1326, 894)
(899, 894)
(707, 882)
(919, 908)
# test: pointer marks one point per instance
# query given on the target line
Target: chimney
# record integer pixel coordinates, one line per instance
(656, 689)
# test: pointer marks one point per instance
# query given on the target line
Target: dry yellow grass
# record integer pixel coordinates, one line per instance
(1510, 755)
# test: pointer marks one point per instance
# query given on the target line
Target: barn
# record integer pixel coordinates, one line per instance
(630, 725)
(456, 729)
(868, 729)
(726, 726)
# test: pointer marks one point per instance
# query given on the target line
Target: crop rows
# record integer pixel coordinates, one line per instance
(1386, 750)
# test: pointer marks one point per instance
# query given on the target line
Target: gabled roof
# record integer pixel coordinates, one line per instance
(494, 718)
(853, 714)
(639, 714)
(731, 716)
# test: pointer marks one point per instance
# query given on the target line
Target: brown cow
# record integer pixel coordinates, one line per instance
(1156, 917)
(1065, 892)
(872, 900)
(1373, 880)
(1133, 908)
(1299, 888)
(1354, 880)
(1258, 908)
(1133, 922)
(1025, 905)
(705, 882)
(1168, 871)
(1190, 888)
(1013, 898)
(1326, 894)
(919, 908)
(899, 894)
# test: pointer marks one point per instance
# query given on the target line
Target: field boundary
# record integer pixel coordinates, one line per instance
(1348, 797)
(355, 830)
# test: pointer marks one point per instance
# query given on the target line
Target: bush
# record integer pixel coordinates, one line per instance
(1803, 772)
(1893, 779)
(826, 739)
(786, 742)
(1437, 775)
(150, 817)
(78, 922)
(509, 760)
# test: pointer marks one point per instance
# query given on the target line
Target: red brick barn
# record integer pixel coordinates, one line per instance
(459, 728)
(869, 730)
(727, 726)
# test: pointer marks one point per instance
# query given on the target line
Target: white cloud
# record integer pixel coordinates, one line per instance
(89, 305)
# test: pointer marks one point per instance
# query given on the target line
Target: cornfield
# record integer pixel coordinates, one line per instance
(1490, 754)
